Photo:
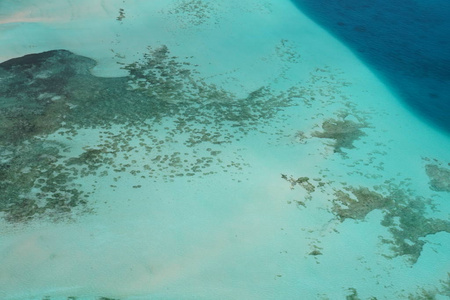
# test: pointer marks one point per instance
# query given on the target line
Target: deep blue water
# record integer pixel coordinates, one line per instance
(406, 42)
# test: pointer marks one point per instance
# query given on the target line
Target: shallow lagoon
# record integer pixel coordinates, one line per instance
(197, 150)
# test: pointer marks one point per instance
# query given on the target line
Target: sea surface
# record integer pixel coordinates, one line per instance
(197, 149)
(407, 42)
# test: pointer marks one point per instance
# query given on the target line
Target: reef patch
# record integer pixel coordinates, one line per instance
(162, 112)
(404, 215)
(343, 132)
(439, 177)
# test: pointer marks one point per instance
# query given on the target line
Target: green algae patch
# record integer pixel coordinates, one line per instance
(405, 216)
(439, 177)
(343, 132)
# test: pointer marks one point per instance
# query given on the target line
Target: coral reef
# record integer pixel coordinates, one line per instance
(121, 15)
(353, 294)
(343, 132)
(302, 181)
(193, 12)
(404, 216)
(439, 177)
(346, 207)
(34, 97)
(34, 182)
(433, 293)
(305, 184)
(54, 92)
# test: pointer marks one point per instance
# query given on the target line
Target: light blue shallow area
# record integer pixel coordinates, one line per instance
(195, 149)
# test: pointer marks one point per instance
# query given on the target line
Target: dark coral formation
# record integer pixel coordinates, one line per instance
(54, 92)
(193, 12)
(306, 184)
(343, 132)
(34, 182)
(353, 294)
(346, 207)
(439, 177)
(34, 95)
(404, 215)
(121, 15)
(302, 181)
(441, 292)
(170, 86)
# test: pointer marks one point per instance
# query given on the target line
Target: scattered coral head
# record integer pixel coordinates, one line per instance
(439, 178)
(343, 132)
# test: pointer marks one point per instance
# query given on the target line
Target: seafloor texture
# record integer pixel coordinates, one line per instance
(202, 150)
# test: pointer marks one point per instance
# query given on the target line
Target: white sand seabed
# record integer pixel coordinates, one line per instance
(227, 235)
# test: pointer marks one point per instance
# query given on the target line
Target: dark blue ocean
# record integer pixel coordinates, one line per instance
(406, 42)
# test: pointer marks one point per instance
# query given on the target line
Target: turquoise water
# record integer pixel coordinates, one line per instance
(194, 149)
(406, 42)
